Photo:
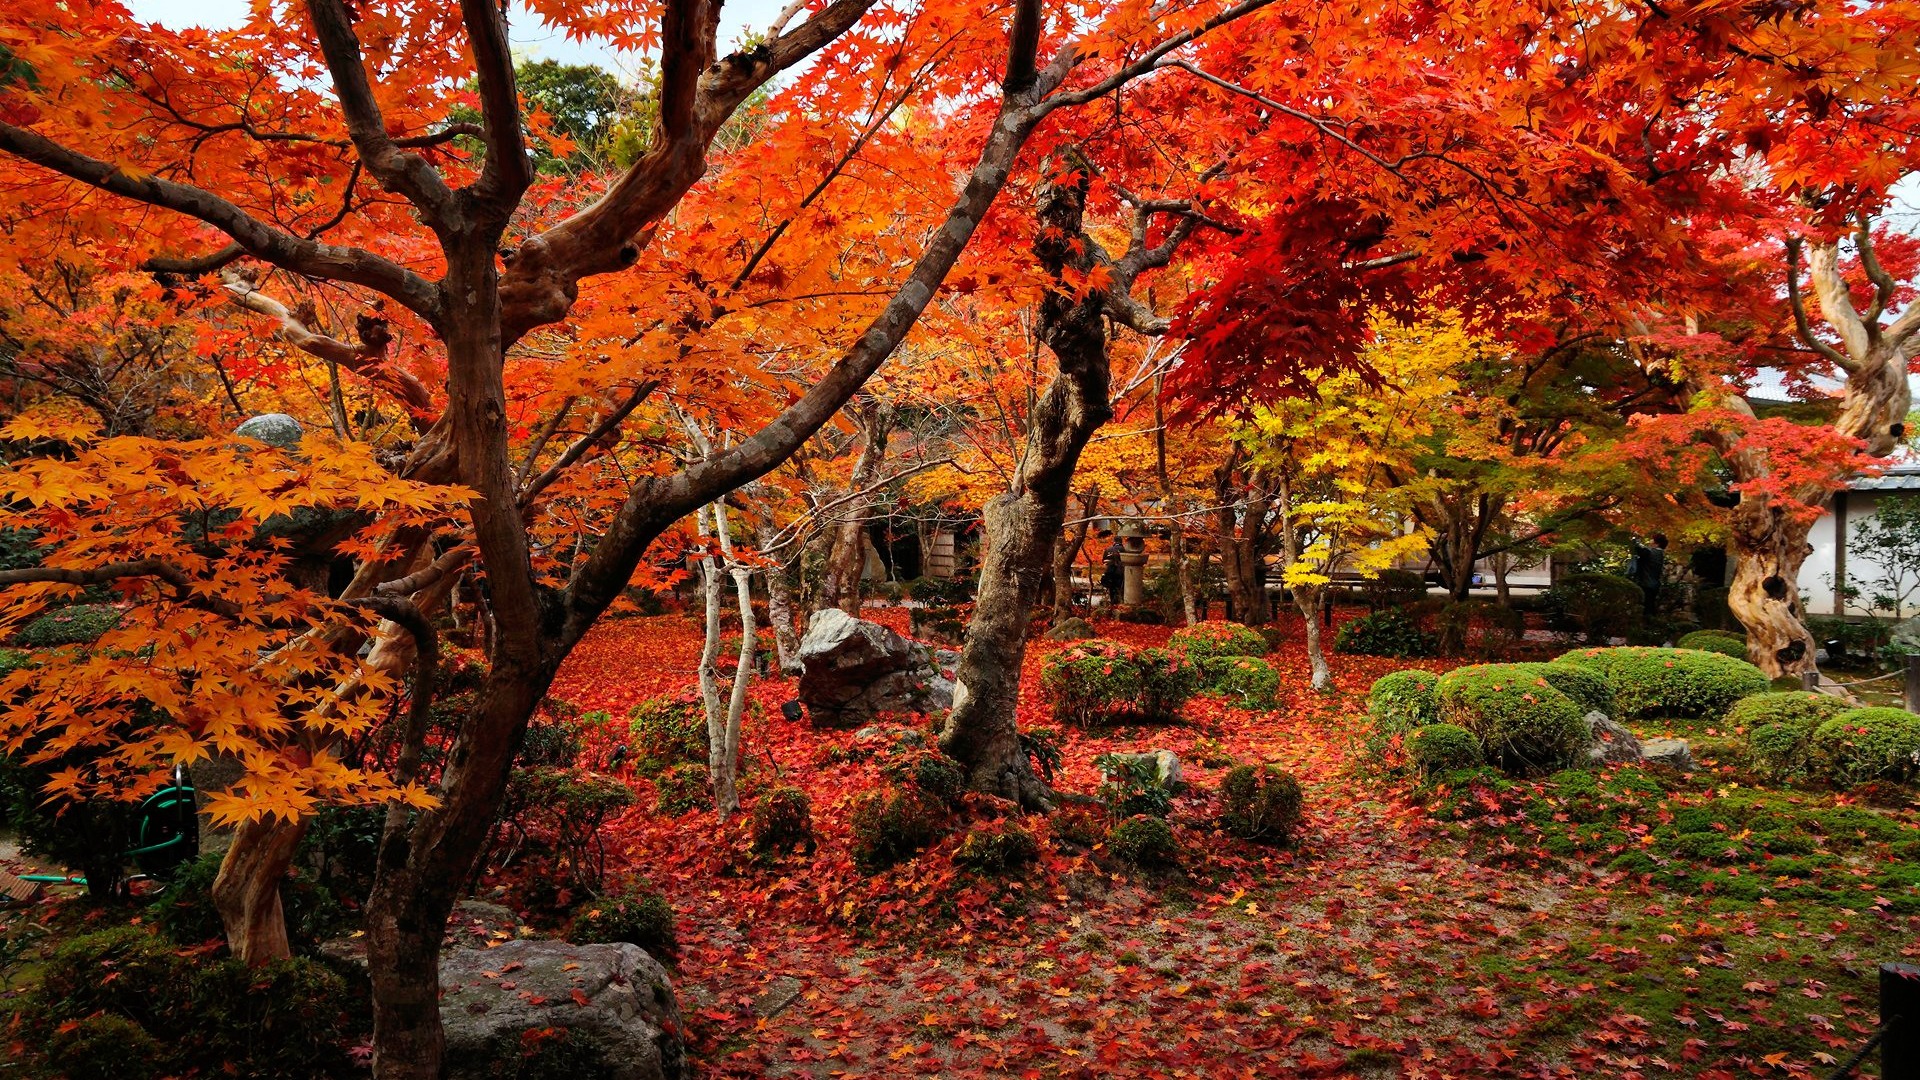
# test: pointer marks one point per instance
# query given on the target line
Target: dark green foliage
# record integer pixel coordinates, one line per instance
(682, 790)
(782, 820)
(1246, 681)
(1862, 745)
(1724, 642)
(1596, 606)
(1042, 746)
(181, 1013)
(1394, 588)
(1208, 639)
(1262, 803)
(997, 846)
(948, 592)
(1144, 841)
(894, 825)
(569, 808)
(1587, 689)
(1687, 683)
(1403, 700)
(104, 1046)
(1389, 632)
(1444, 748)
(556, 742)
(340, 849)
(1092, 682)
(1168, 678)
(632, 913)
(1524, 723)
(80, 624)
(546, 1053)
(1131, 786)
(90, 835)
(665, 732)
(930, 772)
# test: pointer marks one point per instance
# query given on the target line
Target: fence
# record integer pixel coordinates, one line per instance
(1898, 1036)
(1911, 674)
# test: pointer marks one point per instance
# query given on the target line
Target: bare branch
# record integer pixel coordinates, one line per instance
(364, 359)
(98, 575)
(449, 562)
(607, 426)
(1150, 60)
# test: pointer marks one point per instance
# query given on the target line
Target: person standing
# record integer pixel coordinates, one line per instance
(1112, 577)
(1649, 571)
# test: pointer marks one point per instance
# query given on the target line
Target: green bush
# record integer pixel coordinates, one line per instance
(1587, 689)
(633, 914)
(1091, 682)
(667, 731)
(1130, 785)
(1215, 638)
(1861, 745)
(184, 912)
(1596, 606)
(1403, 700)
(1167, 679)
(1262, 803)
(997, 846)
(782, 820)
(947, 592)
(1779, 751)
(1686, 683)
(1523, 723)
(554, 742)
(1796, 708)
(1724, 642)
(1144, 841)
(1389, 632)
(104, 1046)
(1246, 681)
(930, 771)
(1394, 588)
(284, 1020)
(682, 790)
(80, 624)
(1438, 749)
(894, 825)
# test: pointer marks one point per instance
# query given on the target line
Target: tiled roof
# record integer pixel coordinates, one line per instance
(1897, 478)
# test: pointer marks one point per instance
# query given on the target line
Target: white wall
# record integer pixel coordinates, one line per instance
(1816, 574)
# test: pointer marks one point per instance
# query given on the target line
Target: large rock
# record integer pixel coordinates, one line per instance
(616, 995)
(274, 429)
(1676, 753)
(853, 670)
(1609, 742)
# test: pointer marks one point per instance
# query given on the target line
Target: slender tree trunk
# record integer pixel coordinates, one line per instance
(247, 890)
(1065, 551)
(1176, 530)
(786, 643)
(847, 550)
(1501, 563)
(723, 718)
(1023, 522)
(1306, 597)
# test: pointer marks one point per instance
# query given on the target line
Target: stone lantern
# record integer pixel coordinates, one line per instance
(1133, 563)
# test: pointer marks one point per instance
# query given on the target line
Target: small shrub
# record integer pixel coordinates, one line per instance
(556, 742)
(1796, 708)
(1042, 746)
(1724, 642)
(1596, 606)
(1262, 803)
(278, 1022)
(892, 826)
(1686, 683)
(1779, 751)
(1144, 841)
(1167, 679)
(1213, 638)
(80, 624)
(1861, 745)
(1523, 722)
(1132, 786)
(1394, 588)
(1389, 632)
(682, 790)
(1438, 749)
(1092, 682)
(930, 772)
(782, 820)
(665, 732)
(1246, 681)
(1403, 700)
(633, 914)
(1587, 689)
(997, 846)
(104, 1047)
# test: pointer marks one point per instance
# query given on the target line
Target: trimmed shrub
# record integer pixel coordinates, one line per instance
(1686, 683)
(1596, 606)
(1724, 642)
(1587, 689)
(1144, 841)
(80, 624)
(682, 789)
(667, 731)
(1131, 786)
(930, 772)
(1167, 679)
(1801, 709)
(1403, 700)
(1861, 745)
(633, 914)
(1389, 632)
(1246, 681)
(103, 1047)
(1216, 638)
(1262, 803)
(782, 820)
(1394, 588)
(893, 826)
(1779, 751)
(997, 846)
(1438, 749)
(1091, 682)
(1523, 722)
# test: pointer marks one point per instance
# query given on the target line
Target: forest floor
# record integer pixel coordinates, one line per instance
(1691, 926)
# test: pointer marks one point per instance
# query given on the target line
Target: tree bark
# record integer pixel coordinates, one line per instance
(247, 890)
(847, 548)
(1240, 535)
(786, 643)
(1065, 552)
(1307, 597)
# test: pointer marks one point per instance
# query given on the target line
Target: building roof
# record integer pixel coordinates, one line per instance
(1893, 478)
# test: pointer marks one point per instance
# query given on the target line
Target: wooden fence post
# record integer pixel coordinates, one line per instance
(1900, 1014)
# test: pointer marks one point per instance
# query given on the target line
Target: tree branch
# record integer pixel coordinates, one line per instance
(579, 447)
(508, 170)
(364, 359)
(1836, 305)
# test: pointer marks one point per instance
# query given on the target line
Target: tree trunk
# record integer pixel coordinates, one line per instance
(847, 550)
(1177, 532)
(1765, 593)
(247, 890)
(1309, 599)
(786, 643)
(1023, 522)
(1064, 553)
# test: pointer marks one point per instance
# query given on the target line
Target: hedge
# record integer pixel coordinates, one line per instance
(1524, 723)
(1403, 700)
(1685, 683)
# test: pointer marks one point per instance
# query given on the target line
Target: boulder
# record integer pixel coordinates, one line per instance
(616, 996)
(473, 924)
(274, 429)
(1906, 633)
(853, 670)
(1071, 630)
(1671, 752)
(1609, 742)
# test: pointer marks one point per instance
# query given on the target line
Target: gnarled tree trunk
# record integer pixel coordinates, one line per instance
(1066, 550)
(847, 548)
(1240, 533)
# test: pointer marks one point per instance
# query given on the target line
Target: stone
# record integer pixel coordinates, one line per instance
(783, 991)
(853, 670)
(906, 737)
(1675, 753)
(274, 429)
(791, 711)
(473, 924)
(1071, 630)
(1609, 742)
(1906, 633)
(616, 995)
(1166, 766)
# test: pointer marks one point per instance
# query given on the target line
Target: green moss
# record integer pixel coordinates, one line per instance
(1444, 748)
(1247, 682)
(1650, 682)
(1145, 841)
(1400, 701)
(1861, 745)
(1523, 722)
